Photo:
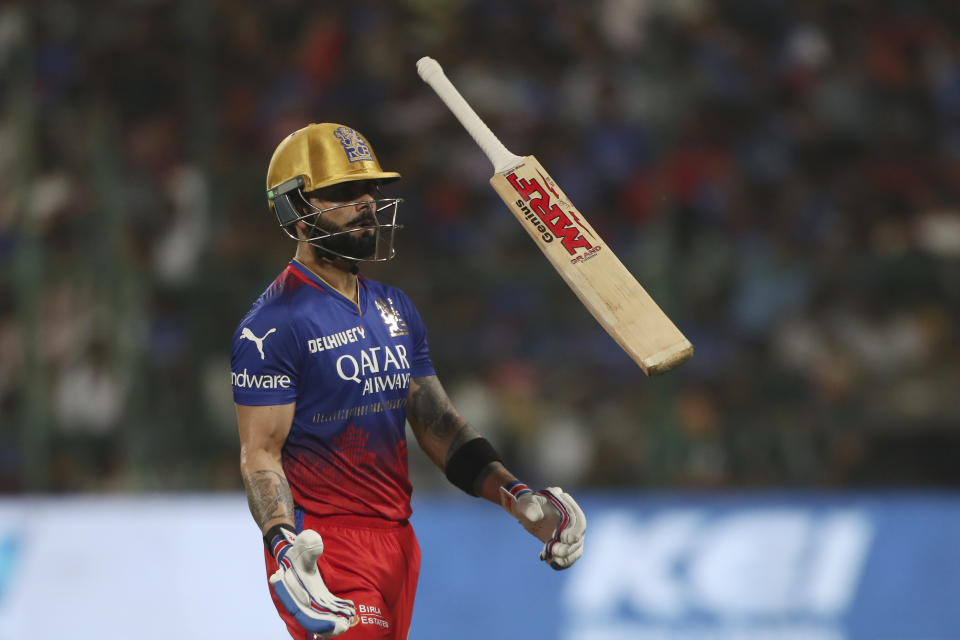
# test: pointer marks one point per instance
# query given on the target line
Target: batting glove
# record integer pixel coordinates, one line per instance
(299, 586)
(550, 515)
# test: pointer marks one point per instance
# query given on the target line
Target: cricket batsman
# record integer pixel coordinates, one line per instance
(327, 367)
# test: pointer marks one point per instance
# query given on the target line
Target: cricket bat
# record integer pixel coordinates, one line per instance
(579, 255)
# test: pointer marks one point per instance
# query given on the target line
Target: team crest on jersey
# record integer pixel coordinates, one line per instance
(353, 446)
(391, 317)
(353, 145)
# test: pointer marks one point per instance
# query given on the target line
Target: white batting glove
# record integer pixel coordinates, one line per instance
(299, 586)
(550, 515)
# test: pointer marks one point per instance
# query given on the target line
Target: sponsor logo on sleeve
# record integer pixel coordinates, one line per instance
(249, 335)
(247, 380)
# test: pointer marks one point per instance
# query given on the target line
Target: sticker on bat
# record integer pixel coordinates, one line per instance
(533, 220)
(569, 232)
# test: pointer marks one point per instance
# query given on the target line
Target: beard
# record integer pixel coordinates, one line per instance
(358, 245)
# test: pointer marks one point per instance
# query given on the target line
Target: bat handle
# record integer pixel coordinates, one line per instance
(432, 73)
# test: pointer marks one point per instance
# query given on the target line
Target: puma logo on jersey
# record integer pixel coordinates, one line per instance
(246, 333)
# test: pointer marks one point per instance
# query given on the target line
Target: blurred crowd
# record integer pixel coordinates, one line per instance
(782, 176)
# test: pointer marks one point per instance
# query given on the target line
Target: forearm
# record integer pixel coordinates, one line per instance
(439, 429)
(441, 432)
(488, 483)
(268, 493)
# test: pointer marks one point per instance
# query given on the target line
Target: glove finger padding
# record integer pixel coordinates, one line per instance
(300, 587)
(561, 562)
(561, 549)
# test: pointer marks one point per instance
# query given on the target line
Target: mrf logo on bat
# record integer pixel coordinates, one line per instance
(570, 231)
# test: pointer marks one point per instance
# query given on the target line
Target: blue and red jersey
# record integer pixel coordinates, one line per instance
(347, 367)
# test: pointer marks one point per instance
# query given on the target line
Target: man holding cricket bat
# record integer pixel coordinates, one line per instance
(327, 367)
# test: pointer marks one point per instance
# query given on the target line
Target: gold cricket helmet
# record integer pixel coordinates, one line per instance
(318, 156)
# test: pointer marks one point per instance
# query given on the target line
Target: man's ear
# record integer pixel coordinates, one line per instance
(300, 229)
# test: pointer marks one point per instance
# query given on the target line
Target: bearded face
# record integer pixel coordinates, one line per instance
(345, 221)
(357, 239)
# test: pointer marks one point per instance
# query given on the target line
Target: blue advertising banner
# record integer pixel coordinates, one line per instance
(702, 567)
(724, 566)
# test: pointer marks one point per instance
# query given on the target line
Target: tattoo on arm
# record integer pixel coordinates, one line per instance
(268, 496)
(438, 426)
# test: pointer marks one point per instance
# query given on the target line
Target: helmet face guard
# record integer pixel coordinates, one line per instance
(369, 236)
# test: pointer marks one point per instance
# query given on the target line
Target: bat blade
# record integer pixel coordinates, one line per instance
(591, 269)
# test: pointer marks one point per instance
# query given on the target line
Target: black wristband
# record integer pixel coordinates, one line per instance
(469, 461)
(273, 532)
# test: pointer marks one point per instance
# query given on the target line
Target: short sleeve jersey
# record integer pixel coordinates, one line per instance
(347, 366)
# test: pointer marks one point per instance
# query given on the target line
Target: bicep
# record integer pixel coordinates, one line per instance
(264, 428)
